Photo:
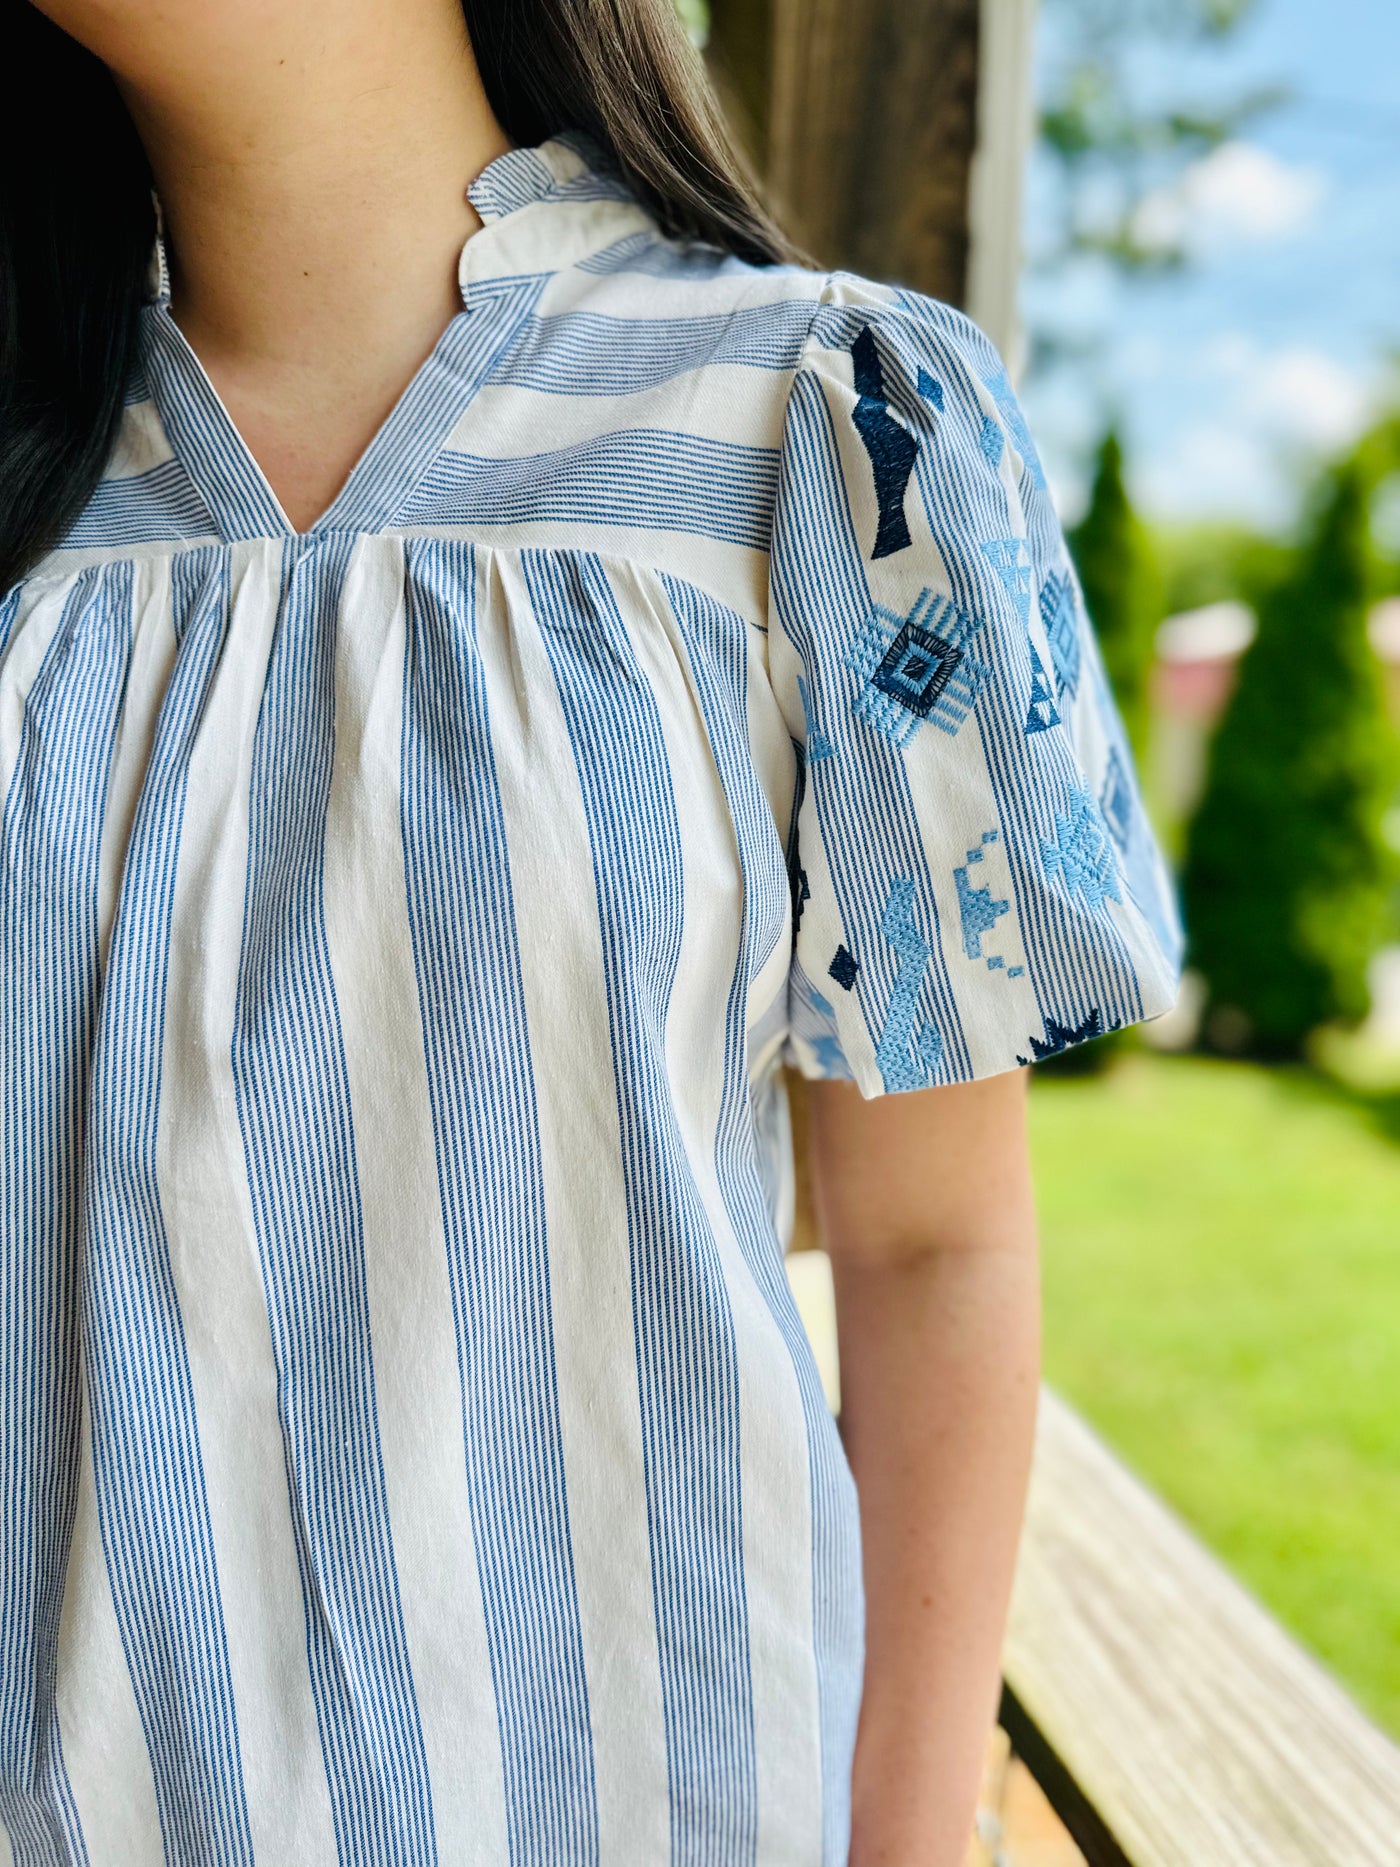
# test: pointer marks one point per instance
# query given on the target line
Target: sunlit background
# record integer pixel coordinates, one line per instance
(1204, 320)
(1212, 297)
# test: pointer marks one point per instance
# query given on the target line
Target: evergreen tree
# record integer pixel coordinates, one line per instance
(1115, 561)
(1287, 868)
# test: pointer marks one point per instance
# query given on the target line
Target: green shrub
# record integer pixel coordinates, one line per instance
(1114, 557)
(1287, 871)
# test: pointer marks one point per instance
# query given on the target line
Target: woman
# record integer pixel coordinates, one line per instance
(496, 658)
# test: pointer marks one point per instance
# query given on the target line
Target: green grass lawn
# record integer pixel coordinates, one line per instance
(1222, 1297)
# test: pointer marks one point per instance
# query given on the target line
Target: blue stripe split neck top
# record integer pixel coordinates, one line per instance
(410, 1449)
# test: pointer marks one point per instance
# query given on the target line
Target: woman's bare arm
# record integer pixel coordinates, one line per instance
(924, 1201)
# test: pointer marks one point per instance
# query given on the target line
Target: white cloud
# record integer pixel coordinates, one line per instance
(1296, 394)
(1271, 411)
(1210, 468)
(1239, 192)
(1304, 395)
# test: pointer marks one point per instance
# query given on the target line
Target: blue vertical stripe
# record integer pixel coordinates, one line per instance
(1077, 959)
(293, 1098)
(716, 647)
(151, 1493)
(861, 798)
(481, 1079)
(49, 976)
(9, 609)
(687, 1366)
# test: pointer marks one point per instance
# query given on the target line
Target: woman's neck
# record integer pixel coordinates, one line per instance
(311, 160)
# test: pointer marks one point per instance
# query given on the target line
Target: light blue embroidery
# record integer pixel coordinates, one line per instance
(907, 1060)
(1057, 612)
(1116, 799)
(818, 745)
(916, 667)
(1012, 563)
(1000, 385)
(991, 440)
(1082, 854)
(979, 911)
(929, 388)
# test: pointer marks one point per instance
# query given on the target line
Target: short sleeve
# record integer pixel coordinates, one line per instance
(976, 884)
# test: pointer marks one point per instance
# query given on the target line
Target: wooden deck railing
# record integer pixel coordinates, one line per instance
(1167, 1718)
(1170, 1721)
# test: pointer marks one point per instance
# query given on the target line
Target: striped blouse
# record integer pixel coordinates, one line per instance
(409, 1449)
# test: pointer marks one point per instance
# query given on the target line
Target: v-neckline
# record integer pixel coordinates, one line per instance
(208, 444)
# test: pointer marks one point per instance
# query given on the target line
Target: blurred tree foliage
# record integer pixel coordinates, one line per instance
(1114, 556)
(1288, 871)
(1113, 141)
(1208, 562)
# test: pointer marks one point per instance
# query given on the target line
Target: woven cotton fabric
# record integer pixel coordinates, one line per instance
(409, 1448)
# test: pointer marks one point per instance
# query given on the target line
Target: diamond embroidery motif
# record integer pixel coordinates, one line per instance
(1061, 629)
(916, 667)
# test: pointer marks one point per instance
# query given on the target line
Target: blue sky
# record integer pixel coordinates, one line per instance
(1277, 344)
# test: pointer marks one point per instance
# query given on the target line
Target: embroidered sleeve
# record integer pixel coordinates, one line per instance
(975, 881)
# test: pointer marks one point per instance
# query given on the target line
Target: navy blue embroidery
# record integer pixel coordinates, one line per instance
(979, 911)
(930, 389)
(1082, 854)
(907, 1059)
(801, 895)
(844, 967)
(1059, 1037)
(888, 442)
(1061, 629)
(916, 667)
(1040, 709)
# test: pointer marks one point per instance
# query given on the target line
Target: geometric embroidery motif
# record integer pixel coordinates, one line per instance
(979, 911)
(1082, 853)
(1059, 1037)
(991, 440)
(844, 967)
(1000, 385)
(1040, 709)
(1012, 563)
(930, 388)
(890, 445)
(907, 1059)
(916, 667)
(1116, 800)
(1057, 613)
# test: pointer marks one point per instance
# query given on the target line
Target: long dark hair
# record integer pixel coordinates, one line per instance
(77, 219)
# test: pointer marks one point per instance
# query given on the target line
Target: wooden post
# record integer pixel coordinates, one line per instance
(862, 117)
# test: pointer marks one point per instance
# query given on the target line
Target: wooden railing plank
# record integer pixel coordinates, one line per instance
(1193, 1729)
